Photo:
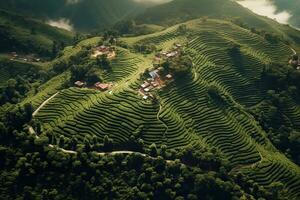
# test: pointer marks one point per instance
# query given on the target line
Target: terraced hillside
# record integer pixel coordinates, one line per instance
(178, 11)
(186, 114)
(11, 69)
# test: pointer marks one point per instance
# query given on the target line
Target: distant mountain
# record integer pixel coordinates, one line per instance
(178, 11)
(24, 34)
(84, 15)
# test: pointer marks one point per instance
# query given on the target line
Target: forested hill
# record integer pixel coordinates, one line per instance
(85, 15)
(178, 11)
(23, 34)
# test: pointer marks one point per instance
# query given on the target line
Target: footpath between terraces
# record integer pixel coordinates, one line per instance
(112, 153)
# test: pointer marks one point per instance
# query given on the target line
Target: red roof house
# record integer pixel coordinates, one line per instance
(101, 86)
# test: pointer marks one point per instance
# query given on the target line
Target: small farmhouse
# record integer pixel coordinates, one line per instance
(80, 83)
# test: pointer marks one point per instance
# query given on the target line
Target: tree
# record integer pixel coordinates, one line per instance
(180, 65)
(3, 131)
(104, 62)
(41, 141)
(272, 38)
(125, 27)
(61, 142)
(163, 150)
(92, 77)
(74, 143)
(10, 90)
(107, 144)
(182, 29)
(78, 72)
(28, 109)
(153, 150)
(55, 49)
(87, 144)
(277, 190)
(59, 66)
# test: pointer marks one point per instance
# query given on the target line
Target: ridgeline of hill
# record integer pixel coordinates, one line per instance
(178, 11)
(224, 103)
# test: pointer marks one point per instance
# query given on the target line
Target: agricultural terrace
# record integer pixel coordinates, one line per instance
(208, 105)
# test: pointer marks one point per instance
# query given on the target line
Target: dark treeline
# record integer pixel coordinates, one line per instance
(29, 169)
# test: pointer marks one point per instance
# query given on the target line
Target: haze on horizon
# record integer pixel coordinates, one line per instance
(266, 8)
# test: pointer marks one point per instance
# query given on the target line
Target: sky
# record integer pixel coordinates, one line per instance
(266, 8)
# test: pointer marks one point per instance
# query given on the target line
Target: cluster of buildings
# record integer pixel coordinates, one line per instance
(104, 50)
(98, 85)
(155, 81)
(99, 51)
(175, 52)
(27, 58)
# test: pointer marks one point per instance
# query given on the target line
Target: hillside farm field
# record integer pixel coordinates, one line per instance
(185, 113)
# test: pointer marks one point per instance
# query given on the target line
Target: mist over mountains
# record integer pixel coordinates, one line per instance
(284, 11)
(82, 15)
(89, 15)
(293, 7)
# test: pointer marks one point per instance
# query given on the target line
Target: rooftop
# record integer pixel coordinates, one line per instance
(102, 86)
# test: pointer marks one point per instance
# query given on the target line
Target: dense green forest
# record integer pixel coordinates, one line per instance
(31, 170)
(27, 35)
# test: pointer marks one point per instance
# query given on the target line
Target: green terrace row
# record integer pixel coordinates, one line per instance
(210, 121)
(117, 115)
(270, 171)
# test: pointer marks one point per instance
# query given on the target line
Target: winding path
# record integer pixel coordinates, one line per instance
(43, 104)
(294, 51)
(112, 153)
(32, 132)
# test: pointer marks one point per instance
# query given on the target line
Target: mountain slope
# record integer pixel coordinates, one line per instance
(23, 34)
(86, 15)
(181, 10)
(185, 113)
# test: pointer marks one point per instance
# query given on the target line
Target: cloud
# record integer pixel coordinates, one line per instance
(266, 8)
(62, 23)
